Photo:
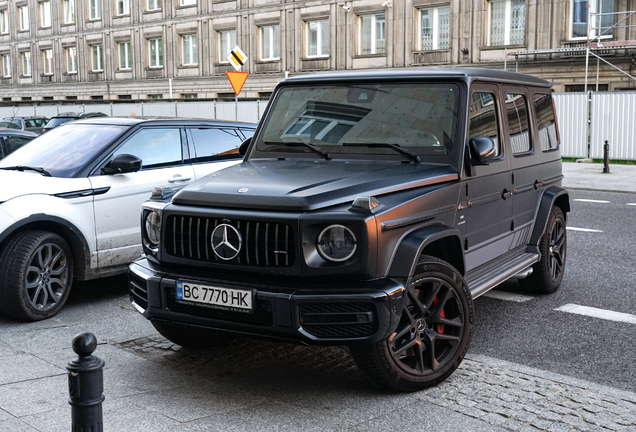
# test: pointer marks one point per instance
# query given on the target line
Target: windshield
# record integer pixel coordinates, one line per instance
(345, 119)
(64, 150)
(59, 120)
(10, 125)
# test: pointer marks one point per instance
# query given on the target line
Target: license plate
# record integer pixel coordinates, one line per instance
(216, 297)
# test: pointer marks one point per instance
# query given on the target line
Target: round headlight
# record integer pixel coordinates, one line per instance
(336, 243)
(153, 228)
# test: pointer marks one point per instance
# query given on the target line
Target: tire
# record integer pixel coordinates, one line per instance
(432, 337)
(36, 274)
(547, 273)
(191, 337)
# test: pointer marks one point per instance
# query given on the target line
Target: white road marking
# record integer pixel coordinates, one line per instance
(584, 230)
(503, 295)
(592, 201)
(633, 204)
(598, 313)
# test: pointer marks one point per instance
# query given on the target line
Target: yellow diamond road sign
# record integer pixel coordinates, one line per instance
(237, 58)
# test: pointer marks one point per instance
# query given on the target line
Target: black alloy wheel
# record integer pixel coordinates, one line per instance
(36, 270)
(433, 333)
(547, 273)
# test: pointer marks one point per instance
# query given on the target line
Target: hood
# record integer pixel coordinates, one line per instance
(300, 185)
(16, 183)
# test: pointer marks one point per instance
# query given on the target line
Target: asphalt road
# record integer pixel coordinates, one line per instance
(600, 273)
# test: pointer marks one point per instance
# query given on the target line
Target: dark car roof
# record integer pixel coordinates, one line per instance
(25, 117)
(168, 121)
(18, 132)
(79, 115)
(397, 74)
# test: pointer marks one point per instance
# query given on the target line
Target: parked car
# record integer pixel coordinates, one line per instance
(370, 210)
(12, 139)
(33, 124)
(62, 118)
(72, 197)
(9, 125)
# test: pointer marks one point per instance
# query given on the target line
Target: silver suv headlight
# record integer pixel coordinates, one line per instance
(336, 243)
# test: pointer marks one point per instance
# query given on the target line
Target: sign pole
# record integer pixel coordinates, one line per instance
(236, 107)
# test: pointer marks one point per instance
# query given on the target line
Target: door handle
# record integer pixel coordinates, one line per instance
(506, 193)
(178, 178)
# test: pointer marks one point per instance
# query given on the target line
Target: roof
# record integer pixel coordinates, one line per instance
(23, 117)
(396, 74)
(131, 121)
(4, 131)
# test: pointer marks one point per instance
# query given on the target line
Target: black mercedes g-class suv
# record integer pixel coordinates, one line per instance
(370, 210)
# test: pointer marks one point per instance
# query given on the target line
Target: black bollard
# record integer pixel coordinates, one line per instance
(86, 385)
(606, 158)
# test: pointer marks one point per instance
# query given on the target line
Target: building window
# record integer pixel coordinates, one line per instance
(155, 96)
(189, 96)
(123, 7)
(270, 42)
(4, 21)
(156, 53)
(71, 60)
(507, 22)
(26, 63)
(45, 14)
(23, 12)
(6, 65)
(189, 46)
(227, 42)
(372, 34)
(579, 10)
(187, 2)
(153, 5)
(435, 24)
(95, 9)
(97, 54)
(69, 11)
(125, 55)
(317, 38)
(47, 61)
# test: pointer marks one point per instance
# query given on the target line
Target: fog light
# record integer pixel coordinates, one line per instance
(336, 243)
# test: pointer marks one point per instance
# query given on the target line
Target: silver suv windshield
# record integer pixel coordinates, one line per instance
(364, 119)
(64, 150)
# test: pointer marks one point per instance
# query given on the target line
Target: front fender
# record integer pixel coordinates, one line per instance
(413, 243)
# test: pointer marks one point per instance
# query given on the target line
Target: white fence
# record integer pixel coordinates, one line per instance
(612, 116)
(248, 111)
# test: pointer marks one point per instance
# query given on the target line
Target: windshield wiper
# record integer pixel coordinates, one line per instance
(317, 149)
(28, 168)
(413, 156)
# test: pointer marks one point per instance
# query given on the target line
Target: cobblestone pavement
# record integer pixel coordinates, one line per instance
(504, 395)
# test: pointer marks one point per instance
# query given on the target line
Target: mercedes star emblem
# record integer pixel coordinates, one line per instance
(243, 190)
(226, 241)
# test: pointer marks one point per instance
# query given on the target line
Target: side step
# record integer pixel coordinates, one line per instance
(482, 282)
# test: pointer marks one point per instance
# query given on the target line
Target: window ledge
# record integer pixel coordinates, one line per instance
(190, 66)
(186, 6)
(44, 28)
(123, 70)
(152, 11)
(154, 68)
(277, 60)
(369, 55)
(92, 20)
(320, 57)
(123, 15)
(67, 24)
(69, 73)
(502, 47)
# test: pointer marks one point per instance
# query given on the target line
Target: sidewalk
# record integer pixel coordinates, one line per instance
(589, 176)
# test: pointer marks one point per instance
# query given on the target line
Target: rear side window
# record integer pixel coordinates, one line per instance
(483, 118)
(35, 122)
(546, 122)
(15, 142)
(212, 144)
(518, 123)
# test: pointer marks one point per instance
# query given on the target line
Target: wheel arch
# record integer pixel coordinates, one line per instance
(436, 240)
(69, 232)
(553, 196)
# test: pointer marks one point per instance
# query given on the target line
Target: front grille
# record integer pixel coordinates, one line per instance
(138, 290)
(338, 320)
(262, 315)
(264, 244)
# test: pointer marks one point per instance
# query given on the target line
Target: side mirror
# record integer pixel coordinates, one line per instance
(243, 147)
(482, 150)
(123, 163)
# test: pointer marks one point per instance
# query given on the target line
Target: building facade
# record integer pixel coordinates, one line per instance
(52, 50)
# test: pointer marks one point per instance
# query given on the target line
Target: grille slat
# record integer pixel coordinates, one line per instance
(263, 242)
(138, 290)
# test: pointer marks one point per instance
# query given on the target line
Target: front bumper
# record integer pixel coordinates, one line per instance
(313, 313)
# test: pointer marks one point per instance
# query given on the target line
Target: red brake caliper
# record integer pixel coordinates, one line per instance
(440, 327)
